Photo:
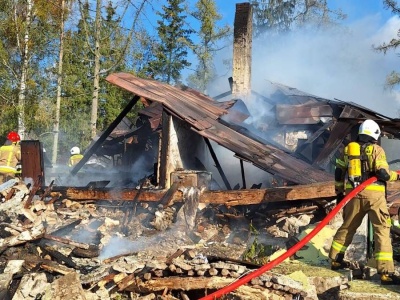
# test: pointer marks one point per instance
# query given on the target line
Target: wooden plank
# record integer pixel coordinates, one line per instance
(302, 113)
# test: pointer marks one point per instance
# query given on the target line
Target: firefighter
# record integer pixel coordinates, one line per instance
(361, 160)
(10, 157)
(75, 157)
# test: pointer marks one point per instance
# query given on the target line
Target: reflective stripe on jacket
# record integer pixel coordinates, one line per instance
(74, 159)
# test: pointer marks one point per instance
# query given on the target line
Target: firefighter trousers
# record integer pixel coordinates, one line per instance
(374, 204)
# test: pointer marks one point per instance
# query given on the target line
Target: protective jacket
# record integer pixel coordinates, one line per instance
(74, 159)
(371, 201)
(10, 156)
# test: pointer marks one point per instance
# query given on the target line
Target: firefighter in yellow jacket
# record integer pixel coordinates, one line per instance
(75, 157)
(371, 161)
(10, 157)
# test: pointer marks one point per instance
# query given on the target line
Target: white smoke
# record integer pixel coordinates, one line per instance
(339, 64)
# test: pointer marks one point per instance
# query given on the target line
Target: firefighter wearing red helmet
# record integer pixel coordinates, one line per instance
(10, 157)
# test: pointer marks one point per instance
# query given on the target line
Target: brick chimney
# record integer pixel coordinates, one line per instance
(243, 30)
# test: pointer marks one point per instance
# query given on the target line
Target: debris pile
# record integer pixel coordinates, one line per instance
(53, 248)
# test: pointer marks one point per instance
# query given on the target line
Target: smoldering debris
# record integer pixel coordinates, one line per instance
(90, 250)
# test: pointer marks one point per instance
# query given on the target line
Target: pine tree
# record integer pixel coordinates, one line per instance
(172, 49)
(209, 35)
(279, 16)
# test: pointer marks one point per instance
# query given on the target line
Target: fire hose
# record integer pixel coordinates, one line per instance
(291, 251)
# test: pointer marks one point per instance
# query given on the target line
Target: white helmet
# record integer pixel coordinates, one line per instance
(370, 128)
(75, 150)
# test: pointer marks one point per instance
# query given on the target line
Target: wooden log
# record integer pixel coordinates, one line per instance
(159, 273)
(48, 265)
(32, 193)
(172, 268)
(126, 282)
(256, 281)
(177, 253)
(47, 191)
(213, 271)
(66, 241)
(176, 283)
(111, 259)
(224, 272)
(54, 254)
(107, 279)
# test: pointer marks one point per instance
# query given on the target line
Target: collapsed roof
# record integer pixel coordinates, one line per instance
(221, 122)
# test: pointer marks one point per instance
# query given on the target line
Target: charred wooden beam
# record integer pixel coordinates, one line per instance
(229, 198)
(217, 165)
(105, 134)
(33, 192)
(243, 175)
(66, 241)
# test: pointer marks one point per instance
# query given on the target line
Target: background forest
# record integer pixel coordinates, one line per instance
(56, 54)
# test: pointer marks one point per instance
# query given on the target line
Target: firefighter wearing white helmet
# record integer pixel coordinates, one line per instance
(361, 160)
(75, 157)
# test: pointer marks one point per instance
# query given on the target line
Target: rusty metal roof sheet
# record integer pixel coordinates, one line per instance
(203, 114)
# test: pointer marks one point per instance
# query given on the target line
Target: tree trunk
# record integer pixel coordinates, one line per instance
(95, 97)
(25, 64)
(59, 83)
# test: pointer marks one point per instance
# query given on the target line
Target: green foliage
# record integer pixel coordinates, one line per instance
(171, 50)
(280, 16)
(258, 253)
(23, 41)
(209, 36)
(393, 79)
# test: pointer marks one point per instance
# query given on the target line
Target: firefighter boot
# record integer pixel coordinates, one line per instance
(390, 279)
(339, 263)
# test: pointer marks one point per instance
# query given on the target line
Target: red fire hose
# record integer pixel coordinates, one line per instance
(291, 251)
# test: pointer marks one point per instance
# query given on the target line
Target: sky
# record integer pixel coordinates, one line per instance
(333, 66)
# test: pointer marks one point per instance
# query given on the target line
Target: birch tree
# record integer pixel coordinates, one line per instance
(25, 39)
(93, 28)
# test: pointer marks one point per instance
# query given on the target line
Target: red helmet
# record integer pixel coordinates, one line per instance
(13, 136)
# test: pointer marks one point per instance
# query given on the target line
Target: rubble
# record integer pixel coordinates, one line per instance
(83, 250)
